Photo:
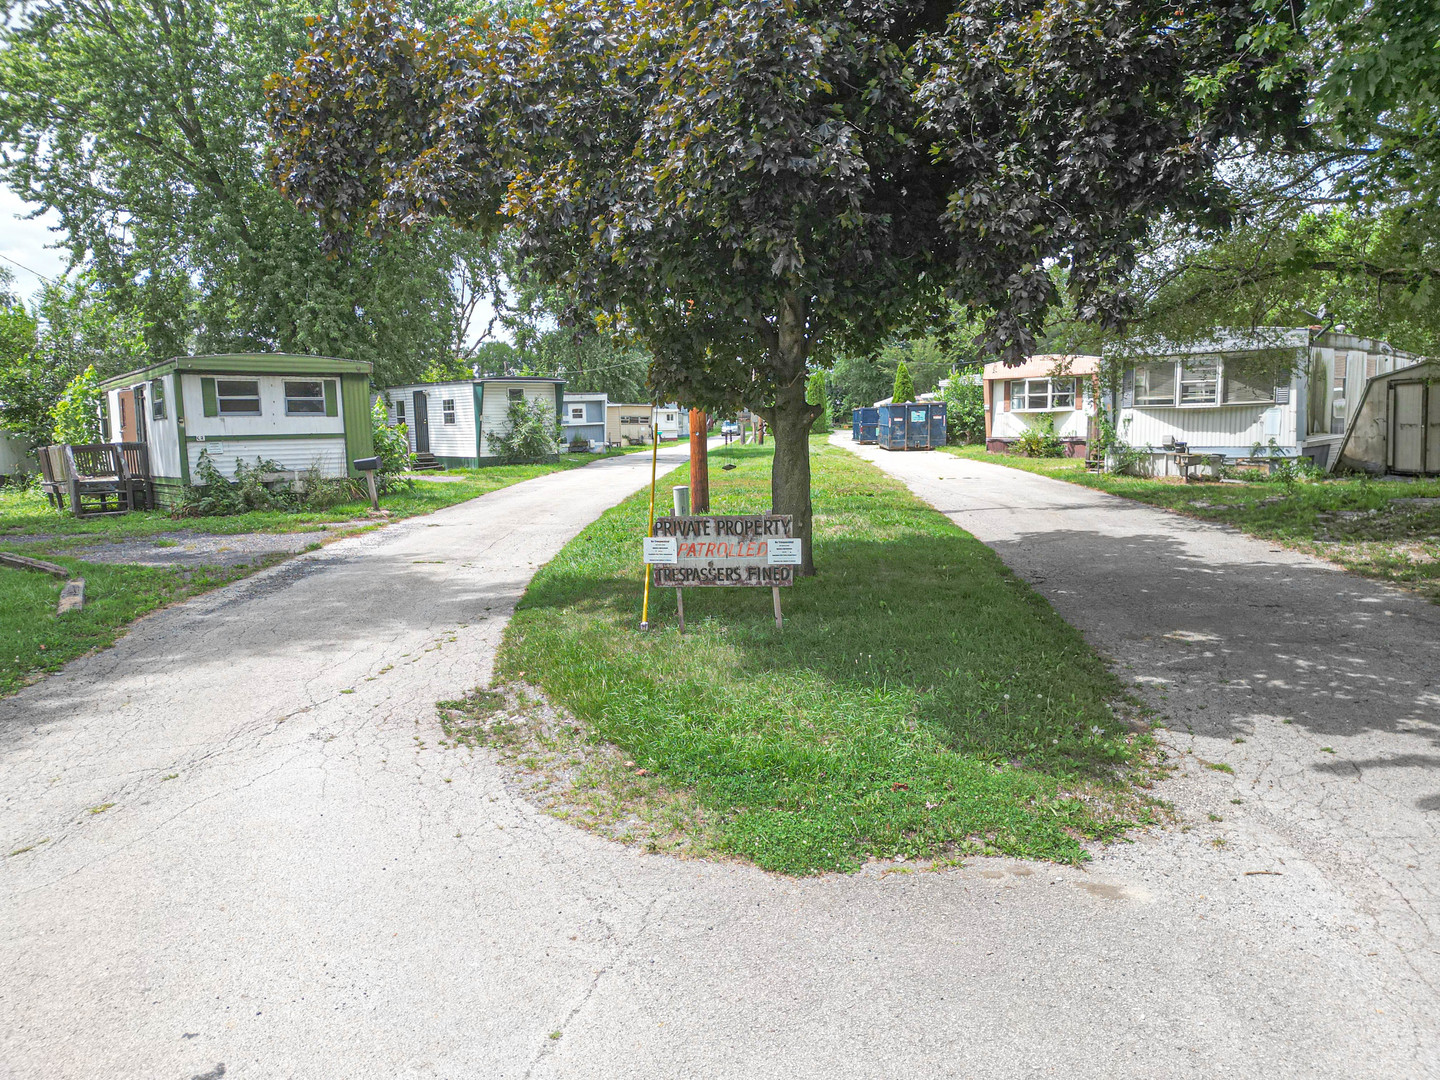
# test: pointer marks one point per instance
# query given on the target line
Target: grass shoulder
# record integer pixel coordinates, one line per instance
(1385, 529)
(921, 701)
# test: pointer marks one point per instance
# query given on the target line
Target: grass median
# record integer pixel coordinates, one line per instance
(920, 702)
(1386, 529)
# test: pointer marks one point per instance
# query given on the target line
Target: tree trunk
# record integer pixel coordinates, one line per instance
(790, 422)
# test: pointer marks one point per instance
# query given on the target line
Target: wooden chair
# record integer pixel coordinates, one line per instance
(96, 474)
(135, 464)
(52, 474)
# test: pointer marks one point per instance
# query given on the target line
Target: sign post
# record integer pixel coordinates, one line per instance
(728, 551)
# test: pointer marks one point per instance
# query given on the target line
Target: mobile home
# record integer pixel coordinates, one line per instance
(452, 422)
(673, 421)
(302, 412)
(1063, 388)
(584, 420)
(1290, 391)
(628, 424)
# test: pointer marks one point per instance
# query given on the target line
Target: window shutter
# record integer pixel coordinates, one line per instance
(1127, 389)
(1006, 384)
(1282, 394)
(332, 403)
(211, 405)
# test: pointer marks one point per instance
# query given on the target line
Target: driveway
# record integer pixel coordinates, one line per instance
(1319, 689)
(251, 855)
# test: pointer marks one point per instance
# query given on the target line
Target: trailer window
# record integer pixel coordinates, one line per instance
(577, 412)
(237, 397)
(399, 410)
(157, 399)
(1039, 395)
(1155, 383)
(517, 393)
(304, 398)
(447, 410)
(1200, 381)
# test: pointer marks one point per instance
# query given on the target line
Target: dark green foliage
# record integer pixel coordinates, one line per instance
(964, 399)
(753, 189)
(816, 393)
(532, 433)
(903, 389)
(140, 123)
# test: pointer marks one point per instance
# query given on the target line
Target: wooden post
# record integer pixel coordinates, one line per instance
(680, 607)
(699, 463)
(374, 495)
(775, 592)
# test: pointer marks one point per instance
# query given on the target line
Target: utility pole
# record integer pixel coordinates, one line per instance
(699, 463)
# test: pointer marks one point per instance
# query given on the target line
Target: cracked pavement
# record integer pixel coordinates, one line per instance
(1319, 690)
(250, 857)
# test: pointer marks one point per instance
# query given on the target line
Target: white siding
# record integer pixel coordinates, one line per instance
(497, 405)
(1069, 423)
(327, 454)
(1230, 427)
(162, 435)
(15, 456)
(272, 419)
(455, 440)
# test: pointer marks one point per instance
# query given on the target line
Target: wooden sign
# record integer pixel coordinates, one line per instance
(751, 550)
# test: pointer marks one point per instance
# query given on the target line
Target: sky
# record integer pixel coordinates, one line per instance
(25, 242)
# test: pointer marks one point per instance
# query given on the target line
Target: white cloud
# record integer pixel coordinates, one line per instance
(24, 249)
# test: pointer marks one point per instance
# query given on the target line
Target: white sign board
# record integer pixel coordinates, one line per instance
(661, 549)
(782, 552)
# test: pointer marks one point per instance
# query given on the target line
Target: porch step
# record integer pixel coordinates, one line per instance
(424, 463)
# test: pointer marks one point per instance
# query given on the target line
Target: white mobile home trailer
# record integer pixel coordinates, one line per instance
(302, 412)
(583, 420)
(452, 421)
(1060, 388)
(1291, 390)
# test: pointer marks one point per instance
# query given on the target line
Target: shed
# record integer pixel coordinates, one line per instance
(1061, 387)
(451, 422)
(584, 419)
(917, 425)
(302, 412)
(1397, 423)
(863, 422)
(1290, 390)
(15, 457)
(628, 424)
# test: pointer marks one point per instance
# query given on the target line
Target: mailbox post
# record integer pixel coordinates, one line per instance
(368, 465)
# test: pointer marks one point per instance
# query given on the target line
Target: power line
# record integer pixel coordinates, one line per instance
(22, 266)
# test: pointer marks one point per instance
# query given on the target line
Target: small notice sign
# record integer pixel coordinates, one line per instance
(731, 550)
(783, 552)
(660, 549)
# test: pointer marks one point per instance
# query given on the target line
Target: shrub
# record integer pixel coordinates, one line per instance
(1040, 440)
(904, 390)
(964, 409)
(815, 394)
(214, 495)
(392, 447)
(532, 436)
(77, 413)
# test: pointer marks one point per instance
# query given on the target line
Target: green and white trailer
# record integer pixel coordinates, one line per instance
(452, 421)
(302, 412)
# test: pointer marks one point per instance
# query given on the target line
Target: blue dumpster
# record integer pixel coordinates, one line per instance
(918, 425)
(862, 424)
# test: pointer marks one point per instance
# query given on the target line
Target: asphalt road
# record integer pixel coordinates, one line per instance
(257, 861)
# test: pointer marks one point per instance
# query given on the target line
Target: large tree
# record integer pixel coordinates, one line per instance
(753, 188)
(140, 123)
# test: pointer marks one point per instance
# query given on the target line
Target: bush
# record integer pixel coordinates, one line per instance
(1040, 440)
(904, 389)
(392, 447)
(533, 436)
(964, 410)
(77, 413)
(815, 394)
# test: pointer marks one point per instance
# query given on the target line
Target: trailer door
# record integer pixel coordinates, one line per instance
(1407, 427)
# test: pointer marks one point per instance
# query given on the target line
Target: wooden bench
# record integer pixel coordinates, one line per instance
(90, 477)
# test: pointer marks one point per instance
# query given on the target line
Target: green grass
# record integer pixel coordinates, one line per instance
(1396, 544)
(920, 701)
(33, 639)
(26, 513)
